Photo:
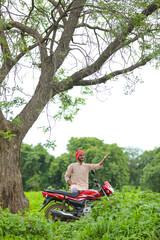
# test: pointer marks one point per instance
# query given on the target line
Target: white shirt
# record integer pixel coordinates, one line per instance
(79, 174)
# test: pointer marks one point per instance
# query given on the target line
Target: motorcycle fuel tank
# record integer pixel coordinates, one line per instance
(89, 194)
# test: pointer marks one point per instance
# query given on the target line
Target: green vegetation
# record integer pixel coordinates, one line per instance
(35, 163)
(51, 51)
(134, 215)
(124, 166)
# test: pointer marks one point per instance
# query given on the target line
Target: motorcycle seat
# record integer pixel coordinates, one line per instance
(74, 195)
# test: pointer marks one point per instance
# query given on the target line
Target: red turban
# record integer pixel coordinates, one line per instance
(79, 153)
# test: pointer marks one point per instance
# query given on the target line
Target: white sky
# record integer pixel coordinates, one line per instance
(128, 120)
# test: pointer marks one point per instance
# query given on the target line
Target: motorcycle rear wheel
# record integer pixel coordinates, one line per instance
(57, 206)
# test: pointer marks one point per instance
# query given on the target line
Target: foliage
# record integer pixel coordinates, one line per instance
(35, 162)
(151, 173)
(40, 170)
(57, 170)
(130, 214)
(7, 135)
(133, 215)
(69, 107)
(123, 166)
(28, 227)
(115, 168)
(135, 168)
(144, 168)
(103, 32)
(32, 225)
(36, 200)
(96, 41)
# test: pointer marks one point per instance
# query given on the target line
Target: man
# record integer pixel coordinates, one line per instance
(79, 171)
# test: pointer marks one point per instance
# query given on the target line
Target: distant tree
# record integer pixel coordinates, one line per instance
(94, 40)
(35, 164)
(115, 170)
(151, 173)
(84, 143)
(57, 170)
(135, 165)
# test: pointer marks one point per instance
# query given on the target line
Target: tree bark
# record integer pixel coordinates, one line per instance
(11, 187)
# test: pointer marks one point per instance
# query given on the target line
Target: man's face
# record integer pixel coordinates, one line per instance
(81, 157)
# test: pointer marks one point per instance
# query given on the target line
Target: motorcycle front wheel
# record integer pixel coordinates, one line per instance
(57, 206)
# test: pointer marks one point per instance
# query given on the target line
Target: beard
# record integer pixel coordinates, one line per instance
(81, 160)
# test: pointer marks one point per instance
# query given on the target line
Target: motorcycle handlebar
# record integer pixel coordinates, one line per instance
(95, 180)
(97, 183)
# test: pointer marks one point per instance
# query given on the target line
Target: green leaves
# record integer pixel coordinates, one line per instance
(133, 215)
(35, 165)
(69, 106)
(7, 135)
(150, 179)
(50, 144)
(127, 215)
(30, 226)
(8, 105)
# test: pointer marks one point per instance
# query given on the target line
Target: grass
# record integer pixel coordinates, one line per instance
(134, 215)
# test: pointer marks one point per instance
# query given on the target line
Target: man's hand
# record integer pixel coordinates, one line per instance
(69, 182)
(104, 158)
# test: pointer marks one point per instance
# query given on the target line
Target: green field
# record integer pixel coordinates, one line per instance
(134, 214)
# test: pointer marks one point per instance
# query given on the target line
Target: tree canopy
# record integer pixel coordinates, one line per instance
(110, 38)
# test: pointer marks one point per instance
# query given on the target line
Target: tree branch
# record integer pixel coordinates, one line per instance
(32, 8)
(91, 27)
(63, 46)
(9, 61)
(114, 74)
(35, 34)
(113, 47)
(5, 69)
(56, 25)
(60, 10)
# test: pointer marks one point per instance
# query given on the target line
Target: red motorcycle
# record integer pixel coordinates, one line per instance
(71, 206)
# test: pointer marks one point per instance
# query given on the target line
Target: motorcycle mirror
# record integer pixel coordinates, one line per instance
(93, 172)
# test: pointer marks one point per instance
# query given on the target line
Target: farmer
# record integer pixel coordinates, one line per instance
(77, 173)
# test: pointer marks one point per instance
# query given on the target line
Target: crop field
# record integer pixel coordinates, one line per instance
(128, 215)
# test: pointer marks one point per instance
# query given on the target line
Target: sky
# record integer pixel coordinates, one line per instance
(127, 120)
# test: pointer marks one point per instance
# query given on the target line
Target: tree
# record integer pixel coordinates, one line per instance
(83, 36)
(35, 164)
(150, 178)
(135, 164)
(57, 171)
(115, 170)
(83, 143)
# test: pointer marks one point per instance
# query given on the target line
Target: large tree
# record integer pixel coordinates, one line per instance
(94, 40)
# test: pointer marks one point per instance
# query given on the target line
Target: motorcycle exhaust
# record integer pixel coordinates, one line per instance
(64, 215)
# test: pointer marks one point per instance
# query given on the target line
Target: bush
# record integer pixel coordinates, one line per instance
(129, 215)
(30, 226)
(132, 214)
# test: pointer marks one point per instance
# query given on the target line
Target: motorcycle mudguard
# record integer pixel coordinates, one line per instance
(46, 201)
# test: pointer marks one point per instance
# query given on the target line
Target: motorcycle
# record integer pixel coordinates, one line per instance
(71, 206)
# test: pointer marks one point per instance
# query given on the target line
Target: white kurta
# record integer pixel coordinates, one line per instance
(79, 174)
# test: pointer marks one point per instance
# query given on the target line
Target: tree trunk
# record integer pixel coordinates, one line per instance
(11, 187)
